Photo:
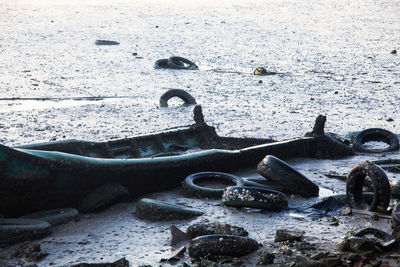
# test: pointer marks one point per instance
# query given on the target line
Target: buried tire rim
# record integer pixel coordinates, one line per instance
(17, 230)
(161, 64)
(189, 184)
(221, 245)
(54, 217)
(355, 182)
(283, 174)
(182, 94)
(254, 197)
(375, 134)
(181, 63)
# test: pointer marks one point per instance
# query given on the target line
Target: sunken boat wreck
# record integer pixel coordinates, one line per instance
(60, 174)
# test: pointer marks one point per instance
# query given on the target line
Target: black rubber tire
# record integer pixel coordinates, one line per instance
(221, 245)
(182, 94)
(396, 221)
(354, 187)
(254, 197)
(54, 217)
(262, 184)
(161, 64)
(103, 197)
(155, 210)
(181, 63)
(18, 230)
(281, 173)
(192, 188)
(375, 134)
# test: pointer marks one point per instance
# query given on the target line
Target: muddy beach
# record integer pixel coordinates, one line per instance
(56, 83)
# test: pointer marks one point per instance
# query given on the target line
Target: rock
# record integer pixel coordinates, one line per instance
(287, 235)
(346, 211)
(360, 245)
(119, 263)
(29, 252)
(178, 236)
(155, 210)
(214, 228)
(266, 258)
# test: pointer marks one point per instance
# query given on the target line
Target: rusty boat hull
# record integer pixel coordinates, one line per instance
(60, 174)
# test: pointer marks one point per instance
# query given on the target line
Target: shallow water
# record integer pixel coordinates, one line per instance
(335, 56)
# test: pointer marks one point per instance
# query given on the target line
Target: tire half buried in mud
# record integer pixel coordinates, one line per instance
(375, 134)
(155, 210)
(18, 230)
(254, 197)
(396, 222)
(54, 217)
(221, 245)
(190, 186)
(355, 182)
(182, 94)
(281, 173)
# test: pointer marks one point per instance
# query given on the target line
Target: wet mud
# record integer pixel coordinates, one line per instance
(57, 84)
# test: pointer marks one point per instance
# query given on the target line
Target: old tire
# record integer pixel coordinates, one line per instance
(155, 210)
(221, 245)
(161, 64)
(182, 94)
(181, 63)
(375, 134)
(396, 222)
(254, 197)
(190, 186)
(54, 217)
(354, 187)
(103, 197)
(283, 174)
(18, 230)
